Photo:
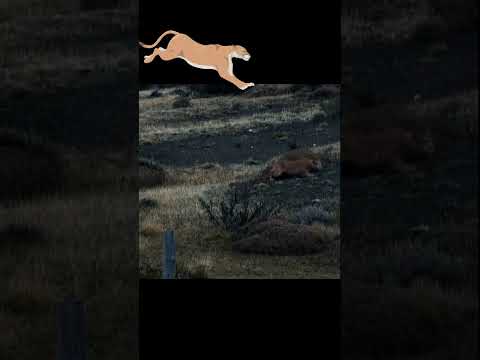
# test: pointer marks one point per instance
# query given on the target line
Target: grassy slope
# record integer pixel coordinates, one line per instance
(177, 207)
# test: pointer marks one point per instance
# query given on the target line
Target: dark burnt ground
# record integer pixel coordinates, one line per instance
(228, 129)
(296, 193)
(260, 143)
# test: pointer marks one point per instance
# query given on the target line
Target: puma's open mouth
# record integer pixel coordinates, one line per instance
(246, 57)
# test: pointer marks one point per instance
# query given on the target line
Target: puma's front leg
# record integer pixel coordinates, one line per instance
(228, 75)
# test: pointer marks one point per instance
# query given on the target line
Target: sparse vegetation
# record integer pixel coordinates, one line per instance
(237, 209)
(215, 230)
(279, 237)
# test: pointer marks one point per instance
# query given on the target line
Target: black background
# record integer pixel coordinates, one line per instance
(231, 318)
(240, 318)
(288, 44)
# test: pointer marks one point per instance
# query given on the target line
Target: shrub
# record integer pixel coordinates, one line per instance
(237, 209)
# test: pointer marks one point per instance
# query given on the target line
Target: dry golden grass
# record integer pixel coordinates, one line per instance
(203, 251)
(150, 230)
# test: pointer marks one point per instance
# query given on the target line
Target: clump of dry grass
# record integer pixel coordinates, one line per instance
(151, 230)
(279, 237)
(213, 174)
(197, 267)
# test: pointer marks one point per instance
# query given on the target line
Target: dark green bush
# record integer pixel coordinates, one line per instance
(238, 208)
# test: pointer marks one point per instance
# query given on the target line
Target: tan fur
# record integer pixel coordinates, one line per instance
(294, 163)
(293, 168)
(214, 57)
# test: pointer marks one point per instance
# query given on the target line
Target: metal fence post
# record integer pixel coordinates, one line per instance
(169, 255)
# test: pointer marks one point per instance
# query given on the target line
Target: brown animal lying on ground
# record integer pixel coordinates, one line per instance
(296, 163)
(294, 168)
(384, 150)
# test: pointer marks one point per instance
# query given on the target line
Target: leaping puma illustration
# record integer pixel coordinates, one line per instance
(213, 56)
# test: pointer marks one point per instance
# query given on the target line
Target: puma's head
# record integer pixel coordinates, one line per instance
(241, 53)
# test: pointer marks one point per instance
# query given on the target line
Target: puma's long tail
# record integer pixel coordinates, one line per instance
(158, 40)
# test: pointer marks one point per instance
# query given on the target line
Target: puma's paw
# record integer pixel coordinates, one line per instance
(246, 86)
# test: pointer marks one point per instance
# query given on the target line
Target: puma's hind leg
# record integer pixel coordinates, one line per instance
(164, 54)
